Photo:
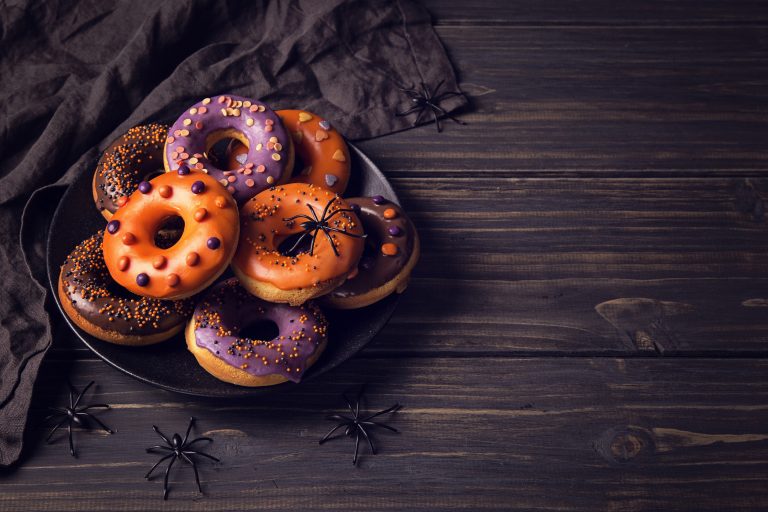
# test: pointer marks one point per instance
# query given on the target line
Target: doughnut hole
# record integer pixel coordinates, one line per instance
(168, 232)
(288, 247)
(263, 330)
(219, 144)
(153, 174)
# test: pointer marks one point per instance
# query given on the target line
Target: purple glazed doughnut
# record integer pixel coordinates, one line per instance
(270, 151)
(214, 337)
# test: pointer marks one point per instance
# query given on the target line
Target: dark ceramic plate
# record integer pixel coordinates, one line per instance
(169, 365)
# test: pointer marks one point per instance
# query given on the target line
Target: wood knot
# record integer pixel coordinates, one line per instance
(621, 445)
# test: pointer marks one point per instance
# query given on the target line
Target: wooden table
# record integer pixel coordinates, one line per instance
(588, 326)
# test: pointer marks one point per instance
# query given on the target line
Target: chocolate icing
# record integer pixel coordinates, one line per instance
(97, 298)
(269, 145)
(228, 308)
(131, 158)
(376, 268)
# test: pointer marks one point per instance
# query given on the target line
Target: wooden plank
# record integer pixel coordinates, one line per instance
(597, 101)
(579, 12)
(583, 266)
(489, 434)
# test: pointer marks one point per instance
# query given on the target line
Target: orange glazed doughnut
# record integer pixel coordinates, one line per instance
(325, 244)
(202, 253)
(321, 148)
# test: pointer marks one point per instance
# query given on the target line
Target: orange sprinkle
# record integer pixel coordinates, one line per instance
(159, 261)
(200, 214)
(129, 239)
(390, 213)
(193, 259)
(388, 249)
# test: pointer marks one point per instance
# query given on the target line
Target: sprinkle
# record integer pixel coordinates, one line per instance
(202, 110)
(262, 108)
(174, 156)
(339, 156)
(172, 280)
(330, 180)
(273, 139)
(232, 179)
(254, 108)
(200, 214)
(206, 101)
(269, 122)
(184, 133)
(192, 259)
(159, 261)
(248, 172)
(267, 128)
(395, 231)
(187, 122)
(247, 103)
(193, 160)
(250, 182)
(390, 213)
(122, 200)
(379, 199)
(123, 263)
(183, 170)
(198, 187)
(213, 243)
(220, 201)
(129, 239)
(270, 180)
(304, 117)
(249, 122)
(278, 146)
(236, 112)
(165, 191)
(321, 135)
(223, 112)
(223, 182)
(276, 156)
(259, 146)
(325, 125)
(222, 99)
(169, 140)
(241, 158)
(199, 125)
(388, 249)
(145, 187)
(193, 111)
(142, 279)
(231, 189)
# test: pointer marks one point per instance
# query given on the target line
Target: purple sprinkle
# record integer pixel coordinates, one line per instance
(113, 226)
(331, 180)
(142, 279)
(213, 243)
(198, 187)
(183, 170)
(325, 125)
(145, 187)
(395, 231)
(355, 207)
(379, 199)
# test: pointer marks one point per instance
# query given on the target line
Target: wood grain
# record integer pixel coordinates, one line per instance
(545, 434)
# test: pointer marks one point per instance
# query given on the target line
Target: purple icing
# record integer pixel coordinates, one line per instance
(213, 243)
(379, 199)
(145, 187)
(198, 187)
(395, 231)
(227, 308)
(142, 279)
(183, 170)
(113, 226)
(260, 151)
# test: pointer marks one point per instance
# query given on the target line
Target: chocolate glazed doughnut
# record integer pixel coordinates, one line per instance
(133, 157)
(96, 304)
(391, 252)
(214, 337)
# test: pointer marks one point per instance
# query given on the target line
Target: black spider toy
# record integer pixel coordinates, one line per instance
(178, 448)
(75, 414)
(313, 225)
(427, 100)
(356, 426)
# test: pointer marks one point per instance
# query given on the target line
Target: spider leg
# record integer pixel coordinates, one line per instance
(165, 480)
(337, 230)
(71, 444)
(197, 477)
(312, 245)
(298, 242)
(339, 417)
(189, 429)
(439, 85)
(327, 436)
(98, 422)
(51, 416)
(288, 219)
(157, 431)
(437, 120)
(367, 438)
(325, 210)
(418, 117)
(80, 396)
(349, 404)
(314, 213)
(163, 459)
(357, 447)
(196, 440)
(93, 406)
(446, 114)
(409, 111)
(338, 211)
(152, 449)
(54, 429)
(377, 424)
(446, 95)
(394, 408)
(191, 452)
(330, 241)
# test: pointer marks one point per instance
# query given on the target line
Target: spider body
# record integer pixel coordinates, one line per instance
(177, 448)
(427, 100)
(357, 425)
(75, 414)
(313, 225)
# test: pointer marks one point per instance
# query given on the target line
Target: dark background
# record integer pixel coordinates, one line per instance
(588, 326)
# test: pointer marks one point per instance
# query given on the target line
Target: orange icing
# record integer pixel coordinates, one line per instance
(263, 229)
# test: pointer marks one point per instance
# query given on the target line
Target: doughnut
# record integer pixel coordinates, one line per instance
(391, 252)
(202, 253)
(322, 150)
(310, 265)
(135, 156)
(215, 337)
(96, 304)
(270, 151)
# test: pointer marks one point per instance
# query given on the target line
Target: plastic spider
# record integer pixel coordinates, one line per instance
(75, 414)
(357, 425)
(315, 224)
(427, 100)
(178, 448)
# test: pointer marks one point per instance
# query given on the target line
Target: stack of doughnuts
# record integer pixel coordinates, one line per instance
(180, 215)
